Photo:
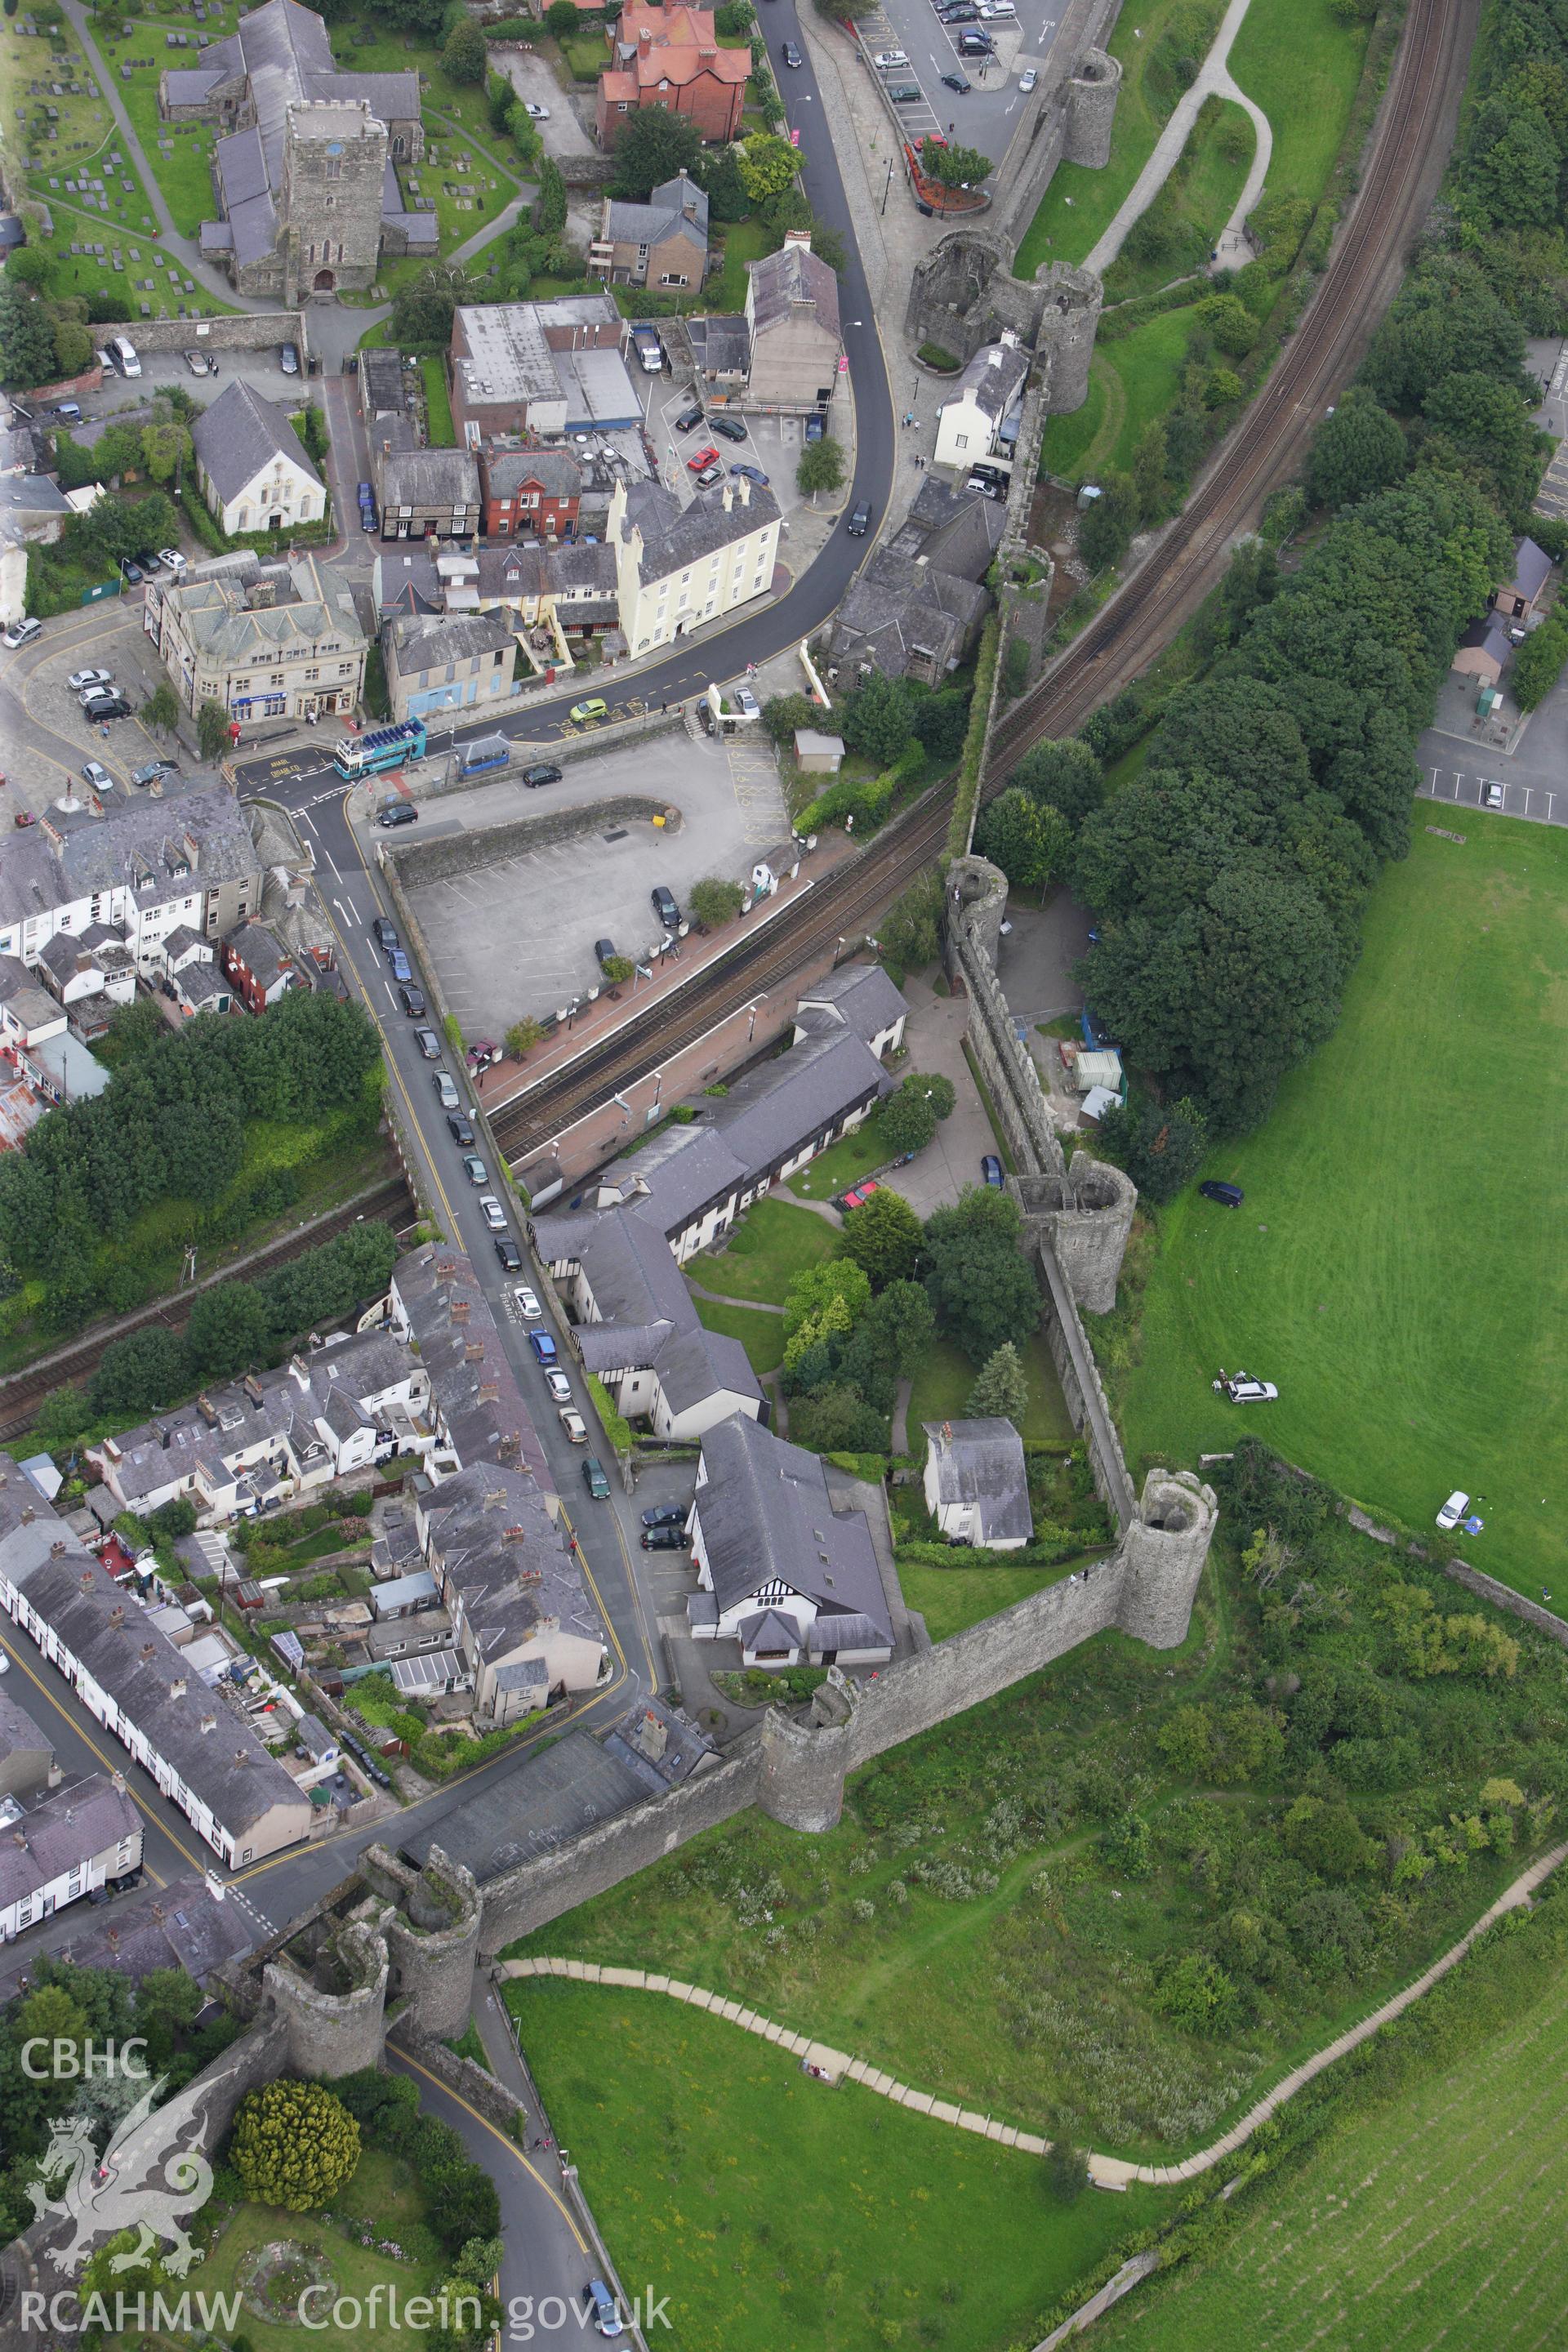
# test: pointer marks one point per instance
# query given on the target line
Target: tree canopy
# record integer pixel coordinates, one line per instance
(979, 1284)
(653, 146)
(883, 1236)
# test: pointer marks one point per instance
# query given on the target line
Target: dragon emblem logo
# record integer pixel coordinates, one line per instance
(150, 2178)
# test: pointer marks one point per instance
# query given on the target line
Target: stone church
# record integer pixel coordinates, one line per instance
(305, 165)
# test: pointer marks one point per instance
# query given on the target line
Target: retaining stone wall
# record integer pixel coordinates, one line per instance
(421, 862)
(244, 331)
(433, 777)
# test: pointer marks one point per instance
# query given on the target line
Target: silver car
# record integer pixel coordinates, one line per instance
(492, 1213)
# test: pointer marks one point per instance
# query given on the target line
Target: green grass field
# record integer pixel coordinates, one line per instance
(942, 1386)
(184, 174)
(1194, 204)
(1138, 375)
(1431, 2216)
(1398, 1266)
(775, 2213)
(949, 1599)
(1297, 61)
(772, 1242)
(382, 2191)
(760, 1334)
(437, 400)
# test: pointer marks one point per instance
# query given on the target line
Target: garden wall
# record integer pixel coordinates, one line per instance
(242, 330)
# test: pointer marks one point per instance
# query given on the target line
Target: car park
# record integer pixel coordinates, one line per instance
(288, 358)
(1028, 81)
(543, 771)
(665, 1515)
(859, 522)
(384, 930)
(753, 473)
(791, 55)
(702, 460)
(664, 905)
(80, 680)
(543, 1345)
(172, 560)
(527, 1306)
(594, 707)
(663, 1539)
(710, 474)
(22, 633)
(429, 1044)
(560, 1387)
(446, 1087)
(959, 83)
(1229, 1196)
(990, 1170)
(572, 1422)
(97, 776)
(1242, 1388)
(688, 419)
(886, 58)
(123, 355)
(198, 362)
(397, 813)
(413, 1001)
(1453, 1511)
(492, 1213)
(459, 1125)
(401, 966)
(509, 1254)
(728, 428)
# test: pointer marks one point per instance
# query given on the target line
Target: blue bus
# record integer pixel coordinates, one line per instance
(383, 747)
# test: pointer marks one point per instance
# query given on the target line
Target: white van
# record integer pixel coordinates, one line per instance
(123, 352)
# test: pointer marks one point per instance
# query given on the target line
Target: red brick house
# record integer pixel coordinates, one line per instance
(258, 969)
(671, 58)
(528, 493)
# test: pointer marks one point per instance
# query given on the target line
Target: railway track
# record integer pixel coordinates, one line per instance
(21, 1395)
(1267, 447)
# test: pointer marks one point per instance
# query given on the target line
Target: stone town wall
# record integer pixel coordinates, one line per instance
(1068, 115)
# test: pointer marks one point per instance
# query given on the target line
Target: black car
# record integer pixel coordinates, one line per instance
(791, 55)
(664, 906)
(541, 772)
(975, 45)
(367, 519)
(1229, 1196)
(397, 813)
(666, 1514)
(664, 1539)
(957, 81)
(859, 522)
(413, 1001)
(728, 428)
(509, 1254)
(688, 419)
(462, 1127)
(429, 1044)
(154, 770)
(107, 706)
(386, 934)
(604, 950)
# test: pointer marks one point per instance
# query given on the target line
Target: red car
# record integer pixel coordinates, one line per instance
(861, 1193)
(704, 457)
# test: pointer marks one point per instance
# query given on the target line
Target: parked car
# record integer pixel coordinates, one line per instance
(1028, 80)
(509, 1254)
(595, 1480)
(905, 93)
(560, 1387)
(746, 703)
(885, 57)
(572, 1422)
(172, 560)
(131, 572)
(527, 1306)
(23, 819)
(604, 951)
(688, 419)
(22, 633)
(384, 930)
(397, 813)
(401, 966)
(543, 771)
(599, 2305)
(728, 428)
(704, 459)
(474, 1168)
(815, 425)
(492, 1213)
(413, 1001)
(484, 1052)
(753, 473)
(1229, 1196)
(458, 1124)
(710, 474)
(990, 474)
(594, 707)
(288, 358)
(972, 42)
(665, 1515)
(543, 1345)
(80, 679)
(663, 1539)
(536, 113)
(990, 1170)
(367, 494)
(198, 362)
(446, 1087)
(994, 490)
(99, 705)
(97, 776)
(858, 1194)
(859, 522)
(1494, 796)
(1453, 1511)
(367, 519)
(153, 772)
(664, 905)
(1242, 1388)
(792, 55)
(429, 1044)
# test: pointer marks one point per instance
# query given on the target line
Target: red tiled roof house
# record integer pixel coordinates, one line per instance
(671, 58)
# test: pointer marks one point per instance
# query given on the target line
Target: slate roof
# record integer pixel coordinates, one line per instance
(425, 644)
(858, 996)
(506, 471)
(60, 1833)
(146, 843)
(317, 608)
(895, 609)
(259, 952)
(770, 1112)
(386, 390)
(956, 531)
(19, 1735)
(675, 208)
(472, 1382)
(550, 1797)
(766, 1517)
(720, 344)
(979, 1463)
(1532, 570)
(992, 380)
(429, 478)
(781, 281)
(704, 527)
(659, 1744)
